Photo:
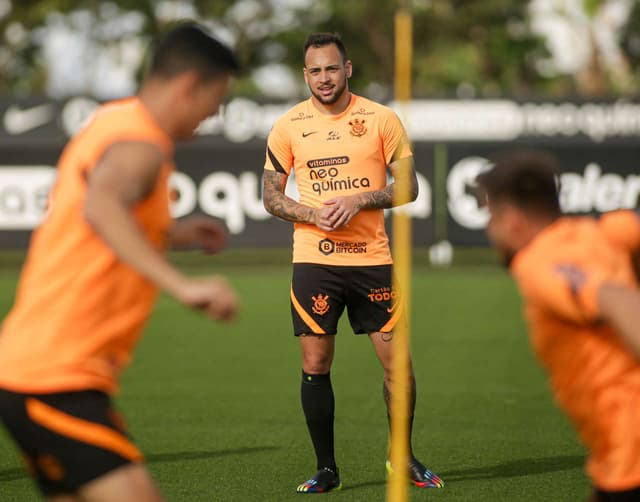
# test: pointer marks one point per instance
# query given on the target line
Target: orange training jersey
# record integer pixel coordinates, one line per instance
(78, 309)
(594, 378)
(622, 228)
(337, 155)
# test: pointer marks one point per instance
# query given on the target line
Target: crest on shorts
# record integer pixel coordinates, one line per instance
(320, 304)
(357, 127)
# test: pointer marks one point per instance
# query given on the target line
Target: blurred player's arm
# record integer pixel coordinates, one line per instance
(198, 231)
(339, 210)
(620, 306)
(279, 204)
(125, 175)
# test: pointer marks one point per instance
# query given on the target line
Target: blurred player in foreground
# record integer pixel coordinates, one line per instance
(583, 308)
(340, 147)
(92, 274)
(622, 228)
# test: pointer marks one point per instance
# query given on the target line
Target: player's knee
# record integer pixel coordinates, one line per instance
(317, 364)
(316, 368)
(316, 360)
(131, 482)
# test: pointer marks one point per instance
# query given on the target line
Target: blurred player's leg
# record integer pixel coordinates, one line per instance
(318, 404)
(383, 345)
(130, 483)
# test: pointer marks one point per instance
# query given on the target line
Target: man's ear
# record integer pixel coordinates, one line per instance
(348, 68)
(187, 83)
(515, 220)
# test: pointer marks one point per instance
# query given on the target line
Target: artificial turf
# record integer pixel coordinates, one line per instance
(216, 408)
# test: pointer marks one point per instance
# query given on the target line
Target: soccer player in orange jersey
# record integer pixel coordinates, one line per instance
(583, 308)
(340, 147)
(92, 273)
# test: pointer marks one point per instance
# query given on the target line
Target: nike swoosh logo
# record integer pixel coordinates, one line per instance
(305, 134)
(18, 120)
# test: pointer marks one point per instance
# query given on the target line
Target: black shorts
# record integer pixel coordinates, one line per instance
(67, 439)
(320, 293)
(632, 495)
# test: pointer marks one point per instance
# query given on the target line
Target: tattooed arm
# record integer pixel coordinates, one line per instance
(340, 210)
(278, 204)
(403, 172)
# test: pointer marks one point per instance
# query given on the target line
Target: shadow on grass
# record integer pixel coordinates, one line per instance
(153, 458)
(364, 484)
(510, 469)
(515, 468)
(14, 474)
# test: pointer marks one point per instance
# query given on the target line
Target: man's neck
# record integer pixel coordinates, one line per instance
(534, 228)
(334, 108)
(156, 99)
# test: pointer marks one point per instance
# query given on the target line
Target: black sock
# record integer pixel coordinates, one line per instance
(386, 392)
(318, 405)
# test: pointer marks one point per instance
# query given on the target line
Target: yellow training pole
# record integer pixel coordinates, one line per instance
(397, 486)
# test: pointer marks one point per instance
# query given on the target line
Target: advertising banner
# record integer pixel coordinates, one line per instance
(595, 179)
(220, 172)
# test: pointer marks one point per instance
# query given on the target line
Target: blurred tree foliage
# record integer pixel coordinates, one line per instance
(466, 48)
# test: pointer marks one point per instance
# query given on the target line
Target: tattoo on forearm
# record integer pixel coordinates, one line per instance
(378, 199)
(278, 204)
(385, 198)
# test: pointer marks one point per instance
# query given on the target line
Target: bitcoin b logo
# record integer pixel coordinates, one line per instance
(326, 246)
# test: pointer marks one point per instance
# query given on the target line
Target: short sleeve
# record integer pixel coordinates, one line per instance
(622, 229)
(395, 141)
(279, 156)
(568, 290)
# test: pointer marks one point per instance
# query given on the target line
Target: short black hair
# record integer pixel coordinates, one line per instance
(187, 47)
(527, 179)
(322, 40)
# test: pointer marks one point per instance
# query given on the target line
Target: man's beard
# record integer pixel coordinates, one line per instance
(330, 100)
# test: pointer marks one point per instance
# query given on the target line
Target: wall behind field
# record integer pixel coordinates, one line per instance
(219, 173)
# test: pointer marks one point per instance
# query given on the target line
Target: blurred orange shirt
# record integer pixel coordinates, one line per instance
(337, 155)
(79, 310)
(622, 228)
(594, 378)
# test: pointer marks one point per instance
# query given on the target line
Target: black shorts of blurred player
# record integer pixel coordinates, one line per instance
(320, 294)
(67, 439)
(632, 495)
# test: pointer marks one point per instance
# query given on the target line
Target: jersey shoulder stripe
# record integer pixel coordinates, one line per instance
(275, 162)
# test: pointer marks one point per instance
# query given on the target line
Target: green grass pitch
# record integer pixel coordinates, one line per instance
(216, 409)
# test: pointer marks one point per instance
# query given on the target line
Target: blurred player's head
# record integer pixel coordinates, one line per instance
(521, 194)
(326, 67)
(198, 69)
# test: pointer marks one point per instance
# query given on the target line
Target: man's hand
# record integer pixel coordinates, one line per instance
(199, 231)
(337, 212)
(212, 295)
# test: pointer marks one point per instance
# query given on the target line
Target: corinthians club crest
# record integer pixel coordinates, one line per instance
(320, 304)
(357, 127)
